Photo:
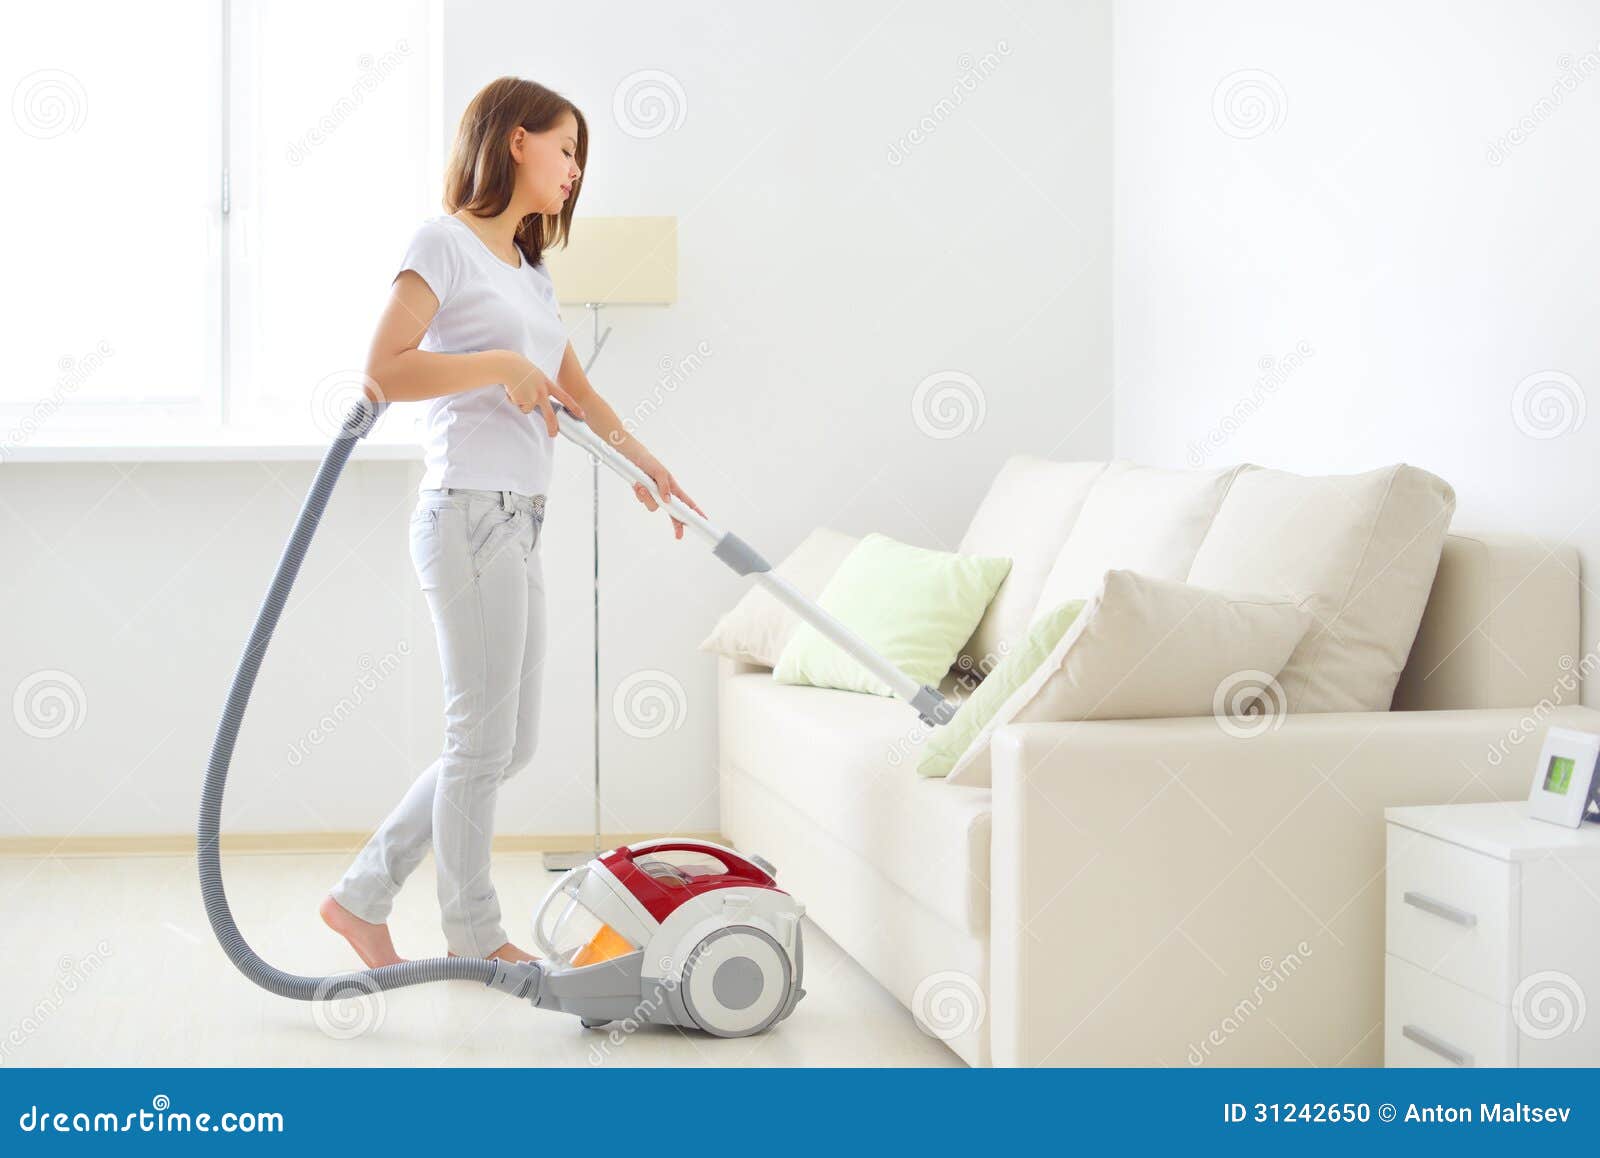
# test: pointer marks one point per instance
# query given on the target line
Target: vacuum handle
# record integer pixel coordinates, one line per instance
(562, 887)
(734, 862)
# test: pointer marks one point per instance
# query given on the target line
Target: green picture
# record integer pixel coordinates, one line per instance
(1558, 777)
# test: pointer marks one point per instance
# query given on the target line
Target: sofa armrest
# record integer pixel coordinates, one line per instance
(1167, 893)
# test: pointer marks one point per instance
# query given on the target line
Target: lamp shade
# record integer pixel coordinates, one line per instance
(617, 261)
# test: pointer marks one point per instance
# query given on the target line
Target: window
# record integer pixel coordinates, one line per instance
(202, 229)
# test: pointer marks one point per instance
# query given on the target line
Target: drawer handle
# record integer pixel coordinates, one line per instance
(1439, 909)
(1437, 1045)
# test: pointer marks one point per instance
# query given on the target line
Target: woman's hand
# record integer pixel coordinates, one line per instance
(530, 389)
(666, 487)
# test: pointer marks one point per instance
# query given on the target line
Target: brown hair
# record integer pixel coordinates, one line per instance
(481, 174)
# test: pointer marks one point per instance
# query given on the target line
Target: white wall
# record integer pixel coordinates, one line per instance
(1416, 205)
(826, 281)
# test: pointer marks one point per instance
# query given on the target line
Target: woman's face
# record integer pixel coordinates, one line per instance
(547, 166)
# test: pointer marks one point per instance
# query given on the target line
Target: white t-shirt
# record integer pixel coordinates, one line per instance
(478, 438)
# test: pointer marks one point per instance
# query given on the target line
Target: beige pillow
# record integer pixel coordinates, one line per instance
(1147, 519)
(1025, 516)
(1363, 547)
(758, 626)
(1145, 648)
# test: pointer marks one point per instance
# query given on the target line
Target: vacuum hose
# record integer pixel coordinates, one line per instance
(515, 978)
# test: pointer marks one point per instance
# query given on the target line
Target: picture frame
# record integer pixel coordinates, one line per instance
(1564, 778)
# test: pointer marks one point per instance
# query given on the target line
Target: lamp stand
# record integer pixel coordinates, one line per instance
(561, 861)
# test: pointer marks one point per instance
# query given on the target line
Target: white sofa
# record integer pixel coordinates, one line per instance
(1151, 892)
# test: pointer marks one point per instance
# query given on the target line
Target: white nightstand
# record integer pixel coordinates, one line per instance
(1493, 938)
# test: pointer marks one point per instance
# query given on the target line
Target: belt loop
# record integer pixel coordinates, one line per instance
(507, 503)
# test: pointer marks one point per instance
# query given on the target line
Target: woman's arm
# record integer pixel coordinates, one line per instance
(404, 373)
(603, 420)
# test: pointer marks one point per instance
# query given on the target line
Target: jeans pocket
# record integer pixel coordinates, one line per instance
(427, 545)
(490, 531)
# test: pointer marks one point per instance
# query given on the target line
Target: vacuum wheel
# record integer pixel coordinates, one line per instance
(736, 982)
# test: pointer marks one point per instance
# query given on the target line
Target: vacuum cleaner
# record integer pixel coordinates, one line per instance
(674, 932)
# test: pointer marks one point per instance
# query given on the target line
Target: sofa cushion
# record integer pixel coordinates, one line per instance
(1364, 547)
(756, 628)
(1026, 515)
(911, 605)
(1137, 518)
(1141, 648)
(846, 761)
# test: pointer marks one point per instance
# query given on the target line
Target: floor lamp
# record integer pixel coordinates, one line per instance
(610, 261)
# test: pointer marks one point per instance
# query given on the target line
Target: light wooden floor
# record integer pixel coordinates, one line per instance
(110, 961)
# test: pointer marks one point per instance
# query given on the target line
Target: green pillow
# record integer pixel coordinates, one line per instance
(947, 744)
(913, 606)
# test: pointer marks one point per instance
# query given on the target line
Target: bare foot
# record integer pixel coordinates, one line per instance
(372, 943)
(506, 952)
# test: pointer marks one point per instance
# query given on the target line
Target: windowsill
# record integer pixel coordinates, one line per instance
(205, 447)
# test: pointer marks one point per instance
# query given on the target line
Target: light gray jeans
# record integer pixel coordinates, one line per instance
(476, 555)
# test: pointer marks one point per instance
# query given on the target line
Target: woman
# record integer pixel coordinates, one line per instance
(472, 324)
